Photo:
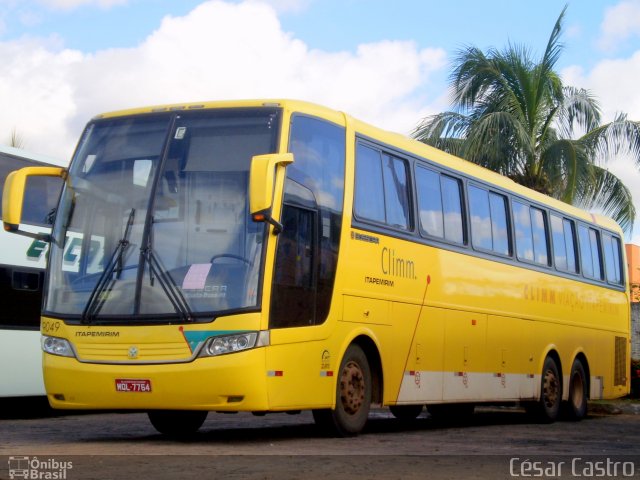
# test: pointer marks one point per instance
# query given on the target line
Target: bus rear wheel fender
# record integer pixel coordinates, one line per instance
(353, 396)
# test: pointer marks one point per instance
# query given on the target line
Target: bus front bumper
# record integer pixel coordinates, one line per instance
(233, 382)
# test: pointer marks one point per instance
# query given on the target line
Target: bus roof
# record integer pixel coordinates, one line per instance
(395, 140)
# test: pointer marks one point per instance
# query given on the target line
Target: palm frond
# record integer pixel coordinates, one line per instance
(607, 193)
(622, 136)
(578, 110)
(498, 141)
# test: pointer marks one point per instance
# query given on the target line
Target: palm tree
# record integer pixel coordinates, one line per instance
(513, 115)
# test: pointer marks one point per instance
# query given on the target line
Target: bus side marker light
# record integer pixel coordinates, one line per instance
(275, 373)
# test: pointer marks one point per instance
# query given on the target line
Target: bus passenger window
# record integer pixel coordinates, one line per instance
(564, 252)
(488, 221)
(396, 193)
(531, 233)
(499, 225)
(369, 201)
(570, 239)
(538, 227)
(524, 239)
(439, 205)
(452, 206)
(612, 257)
(429, 202)
(590, 252)
(480, 218)
(382, 192)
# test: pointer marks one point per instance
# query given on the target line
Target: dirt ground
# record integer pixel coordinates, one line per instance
(495, 443)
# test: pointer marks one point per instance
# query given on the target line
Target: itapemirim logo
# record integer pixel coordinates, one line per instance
(36, 469)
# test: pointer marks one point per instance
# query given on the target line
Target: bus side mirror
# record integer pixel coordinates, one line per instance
(262, 178)
(13, 197)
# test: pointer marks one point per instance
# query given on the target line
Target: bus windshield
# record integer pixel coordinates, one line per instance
(153, 221)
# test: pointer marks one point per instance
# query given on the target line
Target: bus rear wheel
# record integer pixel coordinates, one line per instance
(546, 410)
(177, 423)
(576, 407)
(353, 396)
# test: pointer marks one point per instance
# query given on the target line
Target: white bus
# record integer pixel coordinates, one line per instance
(22, 264)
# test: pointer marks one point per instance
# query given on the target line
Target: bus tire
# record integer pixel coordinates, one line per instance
(547, 409)
(576, 407)
(177, 423)
(406, 413)
(353, 396)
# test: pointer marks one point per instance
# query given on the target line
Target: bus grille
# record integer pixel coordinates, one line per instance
(620, 371)
(144, 352)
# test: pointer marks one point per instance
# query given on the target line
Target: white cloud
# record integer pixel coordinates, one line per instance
(218, 51)
(620, 22)
(625, 169)
(288, 6)
(39, 94)
(614, 84)
(71, 4)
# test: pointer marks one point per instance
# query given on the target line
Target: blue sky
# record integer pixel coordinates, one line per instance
(331, 24)
(384, 61)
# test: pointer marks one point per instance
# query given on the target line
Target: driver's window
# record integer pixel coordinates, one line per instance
(294, 292)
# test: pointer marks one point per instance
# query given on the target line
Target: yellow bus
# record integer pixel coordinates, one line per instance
(278, 256)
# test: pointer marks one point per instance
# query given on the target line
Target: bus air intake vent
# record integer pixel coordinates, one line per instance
(620, 373)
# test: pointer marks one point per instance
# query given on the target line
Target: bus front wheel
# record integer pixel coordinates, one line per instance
(353, 396)
(177, 423)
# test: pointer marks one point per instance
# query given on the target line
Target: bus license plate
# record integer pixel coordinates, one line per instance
(133, 385)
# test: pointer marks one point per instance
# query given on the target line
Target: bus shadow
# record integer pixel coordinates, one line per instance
(249, 430)
(16, 408)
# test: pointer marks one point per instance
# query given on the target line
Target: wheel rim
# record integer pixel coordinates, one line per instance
(352, 388)
(577, 390)
(551, 389)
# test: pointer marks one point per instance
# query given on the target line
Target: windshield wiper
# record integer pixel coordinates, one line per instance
(171, 290)
(106, 281)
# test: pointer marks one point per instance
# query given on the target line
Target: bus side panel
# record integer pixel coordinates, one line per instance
(465, 356)
(511, 358)
(396, 348)
(300, 374)
(423, 376)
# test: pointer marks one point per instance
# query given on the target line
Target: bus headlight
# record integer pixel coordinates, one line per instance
(234, 343)
(57, 346)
